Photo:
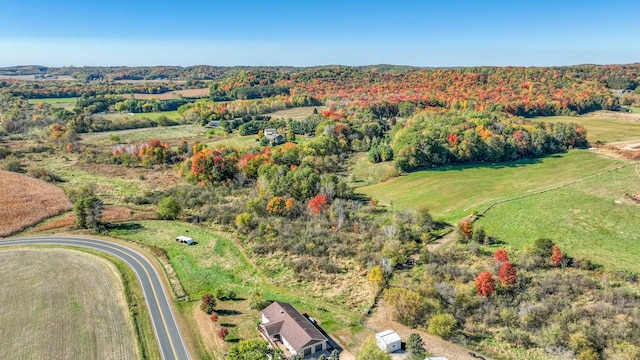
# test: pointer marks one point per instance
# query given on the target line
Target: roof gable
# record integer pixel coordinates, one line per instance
(389, 336)
(294, 327)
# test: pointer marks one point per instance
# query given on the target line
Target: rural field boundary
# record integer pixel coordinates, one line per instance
(538, 192)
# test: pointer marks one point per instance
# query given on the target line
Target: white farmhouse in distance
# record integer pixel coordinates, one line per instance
(389, 341)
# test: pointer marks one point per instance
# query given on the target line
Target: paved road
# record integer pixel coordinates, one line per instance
(165, 326)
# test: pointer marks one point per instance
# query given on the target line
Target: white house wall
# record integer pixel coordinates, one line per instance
(288, 346)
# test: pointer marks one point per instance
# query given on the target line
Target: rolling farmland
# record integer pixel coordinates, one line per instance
(50, 314)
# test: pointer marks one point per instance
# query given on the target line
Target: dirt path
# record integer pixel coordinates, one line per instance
(380, 320)
(447, 239)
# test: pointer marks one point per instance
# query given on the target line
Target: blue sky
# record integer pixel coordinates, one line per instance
(305, 33)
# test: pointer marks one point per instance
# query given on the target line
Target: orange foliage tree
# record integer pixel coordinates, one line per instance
(484, 284)
(465, 229)
(277, 206)
(501, 256)
(556, 255)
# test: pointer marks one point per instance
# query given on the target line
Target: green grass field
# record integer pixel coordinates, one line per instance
(364, 173)
(593, 219)
(216, 261)
(112, 182)
(53, 100)
(173, 115)
(298, 113)
(164, 133)
(455, 191)
(602, 129)
(234, 140)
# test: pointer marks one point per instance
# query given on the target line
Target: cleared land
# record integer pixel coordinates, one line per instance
(27, 201)
(173, 115)
(234, 140)
(47, 312)
(33, 77)
(593, 219)
(163, 133)
(188, 93)
(298, 113)
(453, 192)
(364, 173)
(53, 100)
(218, 262)
(604, 126)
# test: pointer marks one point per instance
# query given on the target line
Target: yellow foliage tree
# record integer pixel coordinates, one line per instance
(376, 276)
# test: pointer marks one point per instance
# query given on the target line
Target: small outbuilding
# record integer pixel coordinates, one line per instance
(389, 341)
(436, 358)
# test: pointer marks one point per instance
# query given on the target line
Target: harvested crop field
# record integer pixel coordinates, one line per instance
(188, 93)
(27, 201)
(70, 306)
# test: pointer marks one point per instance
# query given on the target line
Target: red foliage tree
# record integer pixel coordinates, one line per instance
(507, 274)
(484, 284)
(210, 166)
(556, 255)
(214, 317)
(223, 332)
(318, 203)
(453, 140)
(501, 256)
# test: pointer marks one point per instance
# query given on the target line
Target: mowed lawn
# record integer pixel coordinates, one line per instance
(603, 129)
(70, 306)
(593, 219)
(453, 192)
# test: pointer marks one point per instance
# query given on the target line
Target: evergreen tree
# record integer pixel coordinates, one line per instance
(415, 346)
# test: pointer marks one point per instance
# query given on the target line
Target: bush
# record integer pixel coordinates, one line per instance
(543, 247)
(256, 302)
(168, 208)
(223, 332)
(244, 222)
(44, 175)
(14, 166)
(442, 325)
(224, 294)
(208, 304)
(4, 152)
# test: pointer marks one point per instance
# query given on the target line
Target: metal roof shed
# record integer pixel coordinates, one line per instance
(389, 341)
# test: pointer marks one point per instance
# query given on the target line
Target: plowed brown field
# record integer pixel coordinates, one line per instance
(26, 201)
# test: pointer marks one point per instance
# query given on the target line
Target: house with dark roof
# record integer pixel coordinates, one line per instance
(273, 136)
(281, 322)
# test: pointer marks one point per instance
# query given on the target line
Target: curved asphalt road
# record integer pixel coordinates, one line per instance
(164, 324)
